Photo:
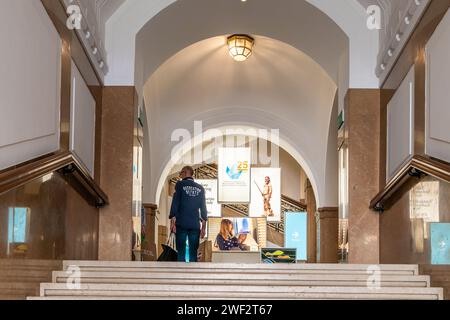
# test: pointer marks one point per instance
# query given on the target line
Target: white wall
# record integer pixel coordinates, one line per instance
(279, 87)
(351, 17)
(30, 64)
(400, 126)
(437, 128)
(290, 176)
(82, 121)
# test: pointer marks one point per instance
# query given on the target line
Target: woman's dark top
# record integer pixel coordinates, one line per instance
(227, 244)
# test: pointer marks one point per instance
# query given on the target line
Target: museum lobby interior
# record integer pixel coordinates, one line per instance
(317, 128)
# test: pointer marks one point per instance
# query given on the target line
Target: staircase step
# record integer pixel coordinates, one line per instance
(108, 291)
(231, 268)
(237, 271)
(237, 278)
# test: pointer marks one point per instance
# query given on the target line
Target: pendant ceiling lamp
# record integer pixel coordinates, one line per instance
(240, 46)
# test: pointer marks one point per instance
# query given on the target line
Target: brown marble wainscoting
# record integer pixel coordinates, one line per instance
(311, 208)
(405, 238)
(116, 179)
(328, 228)
(396, 238)
(59, 224)
(149, 246)
(363, 129)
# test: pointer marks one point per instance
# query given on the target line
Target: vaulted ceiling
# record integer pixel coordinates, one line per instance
(97, 13)
(392, 11)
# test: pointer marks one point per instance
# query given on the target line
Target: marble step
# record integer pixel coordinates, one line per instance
(240, 279)
(231, 268)
(240, 271)
(135, 291)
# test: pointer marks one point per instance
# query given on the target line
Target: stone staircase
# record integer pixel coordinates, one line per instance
(101, 280)
(22, 278)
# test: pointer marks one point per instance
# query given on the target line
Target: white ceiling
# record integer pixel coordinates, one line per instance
(98, 12)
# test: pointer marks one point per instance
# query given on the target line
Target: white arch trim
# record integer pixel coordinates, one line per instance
(251, 129)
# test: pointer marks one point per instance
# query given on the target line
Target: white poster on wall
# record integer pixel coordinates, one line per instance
(266, 194)
(234, 175)
(214, 208)
(424, 204)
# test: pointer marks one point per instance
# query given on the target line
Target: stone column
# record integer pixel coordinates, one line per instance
(312, 227)
(363, 119)
(116, 179)
(149, 245)
(328, 231)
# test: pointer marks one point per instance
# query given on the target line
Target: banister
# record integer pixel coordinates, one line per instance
(293, 202)
(410, 174)
(67, 164)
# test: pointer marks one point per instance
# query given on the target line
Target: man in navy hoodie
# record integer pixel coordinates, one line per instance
(187, 211)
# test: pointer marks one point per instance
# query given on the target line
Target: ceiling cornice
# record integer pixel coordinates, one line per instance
(399, 24)
(95, 14)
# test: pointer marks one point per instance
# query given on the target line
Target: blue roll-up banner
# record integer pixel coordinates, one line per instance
(295, 235)
(440, 239)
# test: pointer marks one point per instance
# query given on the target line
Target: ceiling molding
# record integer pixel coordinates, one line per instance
(399, 24)
(95, 14)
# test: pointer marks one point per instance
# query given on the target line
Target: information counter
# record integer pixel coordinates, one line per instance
(236, 257)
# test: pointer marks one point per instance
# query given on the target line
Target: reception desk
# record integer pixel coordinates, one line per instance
(236, 257)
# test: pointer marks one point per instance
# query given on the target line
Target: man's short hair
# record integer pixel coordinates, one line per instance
(189, 170)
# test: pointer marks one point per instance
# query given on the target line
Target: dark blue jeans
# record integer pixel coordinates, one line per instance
(193, 236)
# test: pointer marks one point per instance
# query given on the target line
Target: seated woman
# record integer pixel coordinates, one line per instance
(226, 240)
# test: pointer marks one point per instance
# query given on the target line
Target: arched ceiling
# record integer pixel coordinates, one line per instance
(348, 15)
(129, 16)
(279, 88)
(290, 21)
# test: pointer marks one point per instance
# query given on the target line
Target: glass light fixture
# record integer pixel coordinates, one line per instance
(240, 46)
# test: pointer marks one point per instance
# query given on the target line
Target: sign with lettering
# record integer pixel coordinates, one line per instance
(214, 208)
(424, 203)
